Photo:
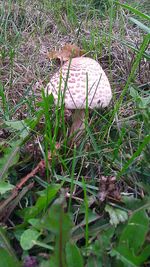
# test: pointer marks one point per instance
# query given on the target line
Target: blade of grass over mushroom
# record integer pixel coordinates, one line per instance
(59, 105)
(48, 140)
(62, 110)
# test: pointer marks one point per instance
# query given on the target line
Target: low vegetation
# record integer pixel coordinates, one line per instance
(86, 204)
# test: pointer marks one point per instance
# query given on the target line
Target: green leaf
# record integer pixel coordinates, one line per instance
(10, 158)
(123, 254)
(99, 249)
(140, 25)
(28, 237)
(44, 264)
(142, 102)
(138, 223)
(59, 223)
(116, 215)
(43, 245)
(5, 187)
(134, 93)
(4, 242)
(7, 260)
(42, 202)
(20, 126)
(73, 256)
(36, 223)
(94, 262)
(131, 249)
(127, 256)
(105, 238)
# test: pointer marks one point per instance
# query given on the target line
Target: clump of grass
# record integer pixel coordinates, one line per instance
(87, 202)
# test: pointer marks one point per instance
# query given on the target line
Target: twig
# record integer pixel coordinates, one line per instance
(40, 166)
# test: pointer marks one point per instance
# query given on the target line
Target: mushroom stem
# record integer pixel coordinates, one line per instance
(78, 124)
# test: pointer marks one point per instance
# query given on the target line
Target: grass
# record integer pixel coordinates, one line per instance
(82, 204)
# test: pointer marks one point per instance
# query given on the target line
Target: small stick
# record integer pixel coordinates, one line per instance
(40, 166)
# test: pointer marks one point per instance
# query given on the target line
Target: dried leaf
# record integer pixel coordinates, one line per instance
(53, 54)
(67, 51)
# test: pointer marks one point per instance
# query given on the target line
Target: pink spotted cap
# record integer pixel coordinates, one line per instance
(80, 82)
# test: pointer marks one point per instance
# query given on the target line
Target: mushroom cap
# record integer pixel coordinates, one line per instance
(73, 79)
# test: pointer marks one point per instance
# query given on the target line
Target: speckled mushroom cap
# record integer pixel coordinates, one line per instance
(82, 72)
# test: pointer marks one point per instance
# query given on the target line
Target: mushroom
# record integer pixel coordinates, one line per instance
(82, 84)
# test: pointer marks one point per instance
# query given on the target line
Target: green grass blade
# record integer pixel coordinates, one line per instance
(86, 214)
(72, 177)
(133, 10)
(135, 155)
(140, 25)
(133, 71)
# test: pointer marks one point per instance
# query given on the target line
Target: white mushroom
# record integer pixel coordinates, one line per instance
(83, 83)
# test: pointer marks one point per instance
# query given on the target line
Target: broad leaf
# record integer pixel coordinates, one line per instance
(73, 256)
(28, 238)
(4, 242)
(138, 223)
(130, 249)
(44, 264)
(7, 260)
(10, 158)
(123, 254)
(59, 223)
(94, 262)
(42, 202)
(5, 187)
(20, 126)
